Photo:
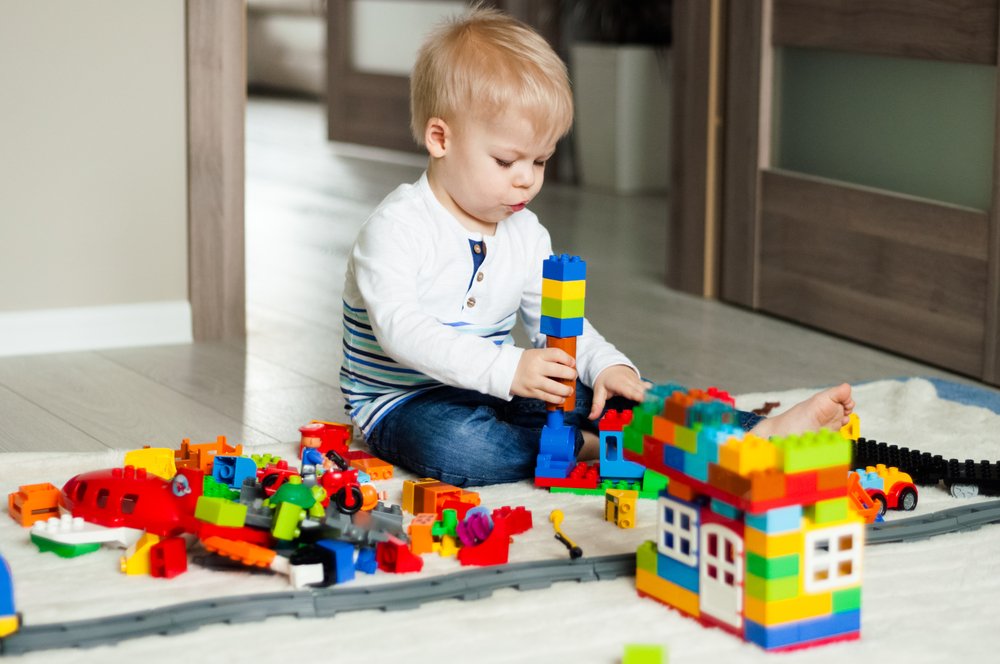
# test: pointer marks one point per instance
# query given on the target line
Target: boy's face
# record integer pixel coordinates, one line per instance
(483, 171)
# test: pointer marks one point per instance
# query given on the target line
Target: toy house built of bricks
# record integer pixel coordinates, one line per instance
(753, 536)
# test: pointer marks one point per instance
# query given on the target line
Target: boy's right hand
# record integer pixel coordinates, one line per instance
(538, 373)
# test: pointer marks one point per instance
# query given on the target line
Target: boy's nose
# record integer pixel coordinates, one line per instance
(524, 178)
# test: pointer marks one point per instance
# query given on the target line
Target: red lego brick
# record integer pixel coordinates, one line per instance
(517, 520)
(460, 507)
(168, 558)
(581, 477)
(721, 395)
(493, 551)
(615, 420)
(394, 556)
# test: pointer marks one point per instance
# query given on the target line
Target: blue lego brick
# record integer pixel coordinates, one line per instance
(673, 457)
(564, 268)
(561, 327)
(341, 559)
(558, 442)
(366, 561)
(779, 520)
(232, 470)
(802, 632)
(725, 509)
(612, 463)
(6, 590)
(546, 466)
(677, 572)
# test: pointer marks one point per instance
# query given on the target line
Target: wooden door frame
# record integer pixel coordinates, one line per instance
(746, 80)
(216, 105)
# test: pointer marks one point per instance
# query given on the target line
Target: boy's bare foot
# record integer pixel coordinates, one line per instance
(828, 409)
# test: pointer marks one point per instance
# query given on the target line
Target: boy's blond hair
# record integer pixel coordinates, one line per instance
(484, 62)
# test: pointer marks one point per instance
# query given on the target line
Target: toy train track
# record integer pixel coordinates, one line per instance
(318, 603)
(466, 585)
(962, 478)
(955, 519)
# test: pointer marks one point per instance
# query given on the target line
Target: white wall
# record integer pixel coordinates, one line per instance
(93, 149)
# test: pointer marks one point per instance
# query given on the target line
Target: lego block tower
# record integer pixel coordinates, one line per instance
(563, 290)
(754, 536)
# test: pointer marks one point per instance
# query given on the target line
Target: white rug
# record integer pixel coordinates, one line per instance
(928, 601)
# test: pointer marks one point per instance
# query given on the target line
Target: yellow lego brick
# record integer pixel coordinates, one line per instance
(851, 430)
(157, 461)
(686, 439)
(772, 546)
(136, 558)
(564, 290)
(789, 610)
(619, 507)
(669, 593)
(748, 454)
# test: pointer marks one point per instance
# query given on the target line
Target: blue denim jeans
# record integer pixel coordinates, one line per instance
(466, 438)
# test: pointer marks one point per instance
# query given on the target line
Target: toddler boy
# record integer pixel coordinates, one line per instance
(443, 267)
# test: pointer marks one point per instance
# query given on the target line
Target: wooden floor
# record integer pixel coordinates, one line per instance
(306, 200)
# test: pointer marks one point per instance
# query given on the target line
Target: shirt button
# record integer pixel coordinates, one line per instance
(471, 302)
(479, 277)
(478, 248)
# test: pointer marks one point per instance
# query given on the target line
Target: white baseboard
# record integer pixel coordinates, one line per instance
(93, 328)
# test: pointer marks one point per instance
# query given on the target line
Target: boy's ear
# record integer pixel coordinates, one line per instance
(437, 137)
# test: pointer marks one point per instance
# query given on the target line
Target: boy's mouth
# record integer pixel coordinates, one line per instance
(518, 207)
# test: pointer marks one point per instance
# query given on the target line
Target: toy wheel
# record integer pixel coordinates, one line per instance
(907, 499)
(964, 490)
(882, 504)
(349, 499)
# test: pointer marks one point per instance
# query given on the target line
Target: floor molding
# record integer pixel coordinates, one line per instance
(92, 328)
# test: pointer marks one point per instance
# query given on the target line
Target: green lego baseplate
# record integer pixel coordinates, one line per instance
(650, 487)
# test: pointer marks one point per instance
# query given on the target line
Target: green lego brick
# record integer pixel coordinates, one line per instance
(813, 451)
(770, 590)
(773, 568)
(63, 550)
(654, 482)
(641, 653)
(221, 512)
(827, 511)
(447, 524)
(213, 489)
(562, 308)
(632, 439)
(641, 421)
(263, 460)
(285, 523)
(847, 600)
(645, 556)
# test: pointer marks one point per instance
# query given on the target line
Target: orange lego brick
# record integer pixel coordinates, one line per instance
(767, 485)
(832, 478)
(33, 502)
(377, 469)
(419, 530)
(680, 490)
(244, 552)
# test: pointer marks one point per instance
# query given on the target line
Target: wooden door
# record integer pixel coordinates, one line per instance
(912, 272)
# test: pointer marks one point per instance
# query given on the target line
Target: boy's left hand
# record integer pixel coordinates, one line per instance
(617, 380)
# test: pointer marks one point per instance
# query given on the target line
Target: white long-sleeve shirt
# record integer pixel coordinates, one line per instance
(418, 314)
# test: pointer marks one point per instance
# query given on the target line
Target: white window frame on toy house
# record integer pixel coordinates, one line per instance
(678, 524)
(833, 557)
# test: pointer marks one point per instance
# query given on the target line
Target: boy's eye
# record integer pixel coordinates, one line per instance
(503, 164)
(540, 162)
